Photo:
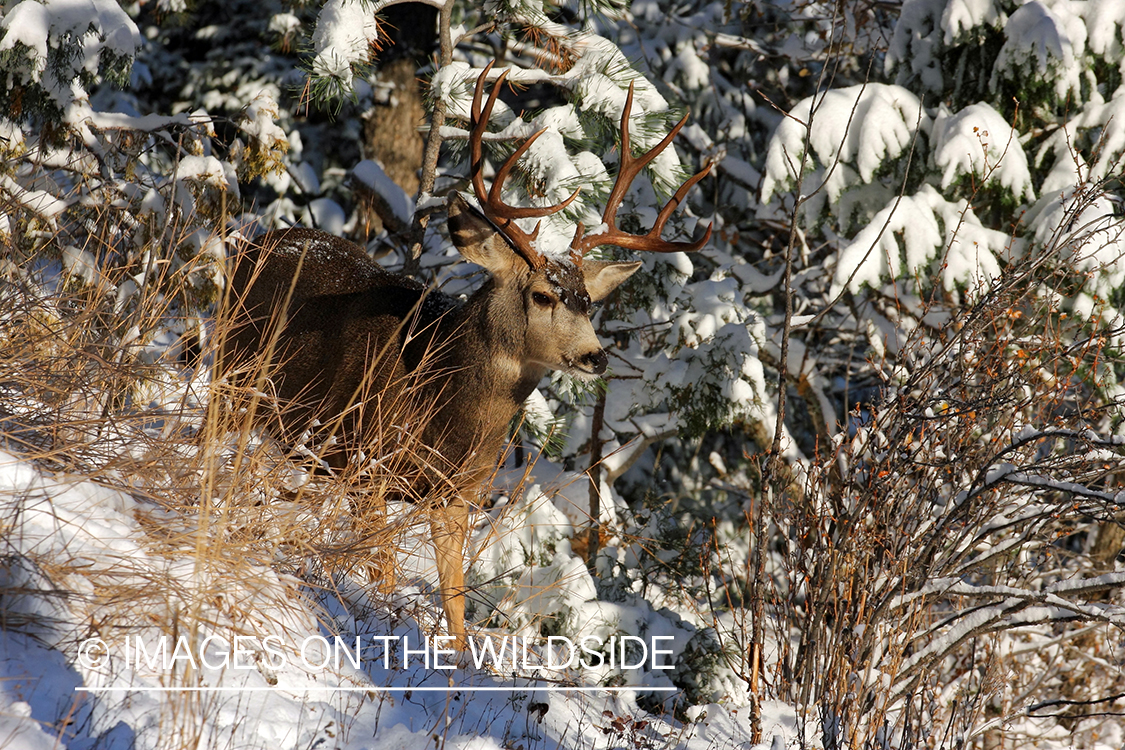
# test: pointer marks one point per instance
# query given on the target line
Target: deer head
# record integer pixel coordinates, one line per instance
(553, 294)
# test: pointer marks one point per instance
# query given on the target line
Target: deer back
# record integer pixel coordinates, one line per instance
(327, 326)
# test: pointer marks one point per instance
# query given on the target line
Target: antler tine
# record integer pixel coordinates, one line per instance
(625, 175)
(478, 122)
(628, 169)
(674, 202)
(491, 202)
(512, 212)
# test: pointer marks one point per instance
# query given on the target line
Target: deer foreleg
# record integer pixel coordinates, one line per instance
(449, 525)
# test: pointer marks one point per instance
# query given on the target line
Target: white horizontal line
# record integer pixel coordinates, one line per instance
(388, 688)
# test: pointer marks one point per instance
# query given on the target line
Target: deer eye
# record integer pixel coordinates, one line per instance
(542, 299)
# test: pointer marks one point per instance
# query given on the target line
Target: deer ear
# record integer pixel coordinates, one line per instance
(478, 241)
(602, 277)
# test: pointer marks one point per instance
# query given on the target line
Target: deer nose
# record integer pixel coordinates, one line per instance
(596, 361)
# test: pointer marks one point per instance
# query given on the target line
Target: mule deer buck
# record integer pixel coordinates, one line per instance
(346, 338)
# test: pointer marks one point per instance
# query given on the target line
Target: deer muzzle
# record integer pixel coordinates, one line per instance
(594, 363)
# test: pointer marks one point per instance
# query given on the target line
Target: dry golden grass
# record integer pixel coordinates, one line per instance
(85, 393)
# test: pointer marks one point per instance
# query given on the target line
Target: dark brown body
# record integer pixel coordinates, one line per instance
(357, 340)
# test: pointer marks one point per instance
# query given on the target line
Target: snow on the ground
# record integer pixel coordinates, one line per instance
(85, 574)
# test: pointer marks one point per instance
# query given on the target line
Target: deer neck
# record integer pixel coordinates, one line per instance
(480, 383)
(487, 341)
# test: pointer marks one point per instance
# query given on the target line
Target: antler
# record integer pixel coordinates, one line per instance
(492, 205)
(502, 215)
(628, 170)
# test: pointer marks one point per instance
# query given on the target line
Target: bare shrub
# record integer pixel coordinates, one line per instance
(943, 571)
